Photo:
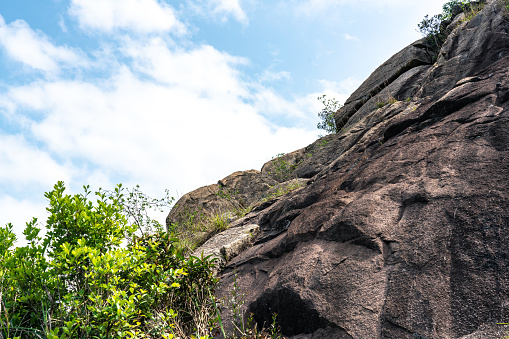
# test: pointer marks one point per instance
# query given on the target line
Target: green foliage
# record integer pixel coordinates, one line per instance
(136, 205)
(218, 222)
(448, 6)
(472, 9)
(281, 169)
(433, 28)
(79, 282)
(505, 7)
(239, 207)
(75, 217)
(328, 122)
(283, 190)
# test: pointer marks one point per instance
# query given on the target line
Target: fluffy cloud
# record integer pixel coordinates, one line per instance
(230, 7)
(221, 9)
(19, 212)
(170, 114)
(24, 165)
(35, 50)
(143, 16)
(203, 69)
(162, 114)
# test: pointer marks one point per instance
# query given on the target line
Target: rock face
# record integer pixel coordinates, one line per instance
(229, 243)
(403, 229)
(237, 189)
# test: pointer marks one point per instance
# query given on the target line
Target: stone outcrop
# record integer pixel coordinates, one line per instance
(239, 189)
(399, 71)
(228, 244)
(402, 230)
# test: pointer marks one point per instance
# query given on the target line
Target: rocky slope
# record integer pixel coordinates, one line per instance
(402, 229)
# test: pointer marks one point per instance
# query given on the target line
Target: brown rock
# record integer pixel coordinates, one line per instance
(228, 244)
(238, 189)
(402, 62)
(301, 163)
(404, 230)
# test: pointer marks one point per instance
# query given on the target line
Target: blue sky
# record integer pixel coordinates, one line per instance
(174, 94)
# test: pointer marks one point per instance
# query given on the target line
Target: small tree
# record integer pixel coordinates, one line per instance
(328, 122)
(79, 281)
(432, 27)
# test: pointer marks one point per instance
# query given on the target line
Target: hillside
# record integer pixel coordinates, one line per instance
(400, 228)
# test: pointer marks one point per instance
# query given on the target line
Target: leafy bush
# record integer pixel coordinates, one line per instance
(239, 207)
(218, 222)
(281, 169)
(283, 190)
(79, 282)
(328, 122)
(433, 27)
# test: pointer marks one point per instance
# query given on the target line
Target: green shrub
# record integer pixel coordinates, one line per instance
(283, 190)
(328, 122)
(78, 281)
(433, 27)
(281, 169)
(218, 222)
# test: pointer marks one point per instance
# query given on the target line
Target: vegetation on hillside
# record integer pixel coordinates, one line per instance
(104, 269)
(434, 27)
(326, 115)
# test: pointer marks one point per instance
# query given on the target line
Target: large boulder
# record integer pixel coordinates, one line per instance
(302, 163)
(403, 230)
(239, 189)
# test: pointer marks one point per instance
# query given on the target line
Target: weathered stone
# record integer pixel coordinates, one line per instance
(228, 244)
(415, 55)
(286, 186)
(242, 188)
(402, 232)
(303, 162)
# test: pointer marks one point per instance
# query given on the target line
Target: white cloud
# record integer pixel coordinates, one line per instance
(230, 7)
(143, 16)
(187, 124)
(35, 50)
(268, 76)
(339, 90)
(19, 212)
(24, 164)
(270, 103)
(349, 37)
(203, 70)
(221, 9)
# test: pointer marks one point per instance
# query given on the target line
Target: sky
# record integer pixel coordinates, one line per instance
(174, 94)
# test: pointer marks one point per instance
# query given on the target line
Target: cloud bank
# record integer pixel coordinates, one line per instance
(147, 107)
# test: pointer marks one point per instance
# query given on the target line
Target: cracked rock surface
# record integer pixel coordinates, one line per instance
(403, 229)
